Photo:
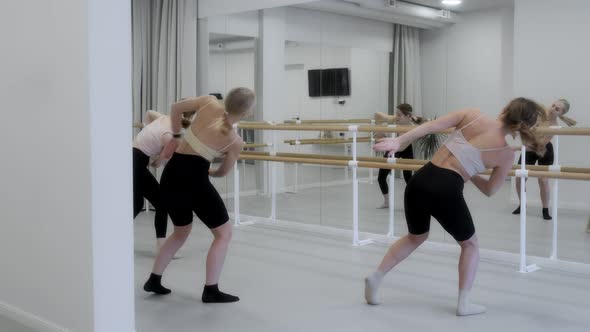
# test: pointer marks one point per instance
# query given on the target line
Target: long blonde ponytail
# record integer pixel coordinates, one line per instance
(567, 120)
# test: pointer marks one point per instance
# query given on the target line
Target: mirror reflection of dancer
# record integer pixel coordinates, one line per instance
(148, 149)
(186, 186)
(403, 117)
(436, 190)
(558, 110)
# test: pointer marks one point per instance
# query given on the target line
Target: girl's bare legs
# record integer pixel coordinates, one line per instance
(170, 247)
(165, 255)
(215, 260)
(217, 252)
(401, 249)
(468, 262)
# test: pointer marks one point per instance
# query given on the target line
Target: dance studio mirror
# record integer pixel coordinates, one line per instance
(437, 70)
(232, 63)
(322, 68)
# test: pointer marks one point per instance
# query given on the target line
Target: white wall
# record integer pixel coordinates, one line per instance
(313, 27)
(52, 54)
(45, 64)
(231, 69)
(551, 61)
(369, 74)
(240, 24)
(338, 30)
(189, 51)
(468, 64)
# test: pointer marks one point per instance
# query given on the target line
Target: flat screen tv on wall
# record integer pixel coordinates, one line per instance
(334, 82)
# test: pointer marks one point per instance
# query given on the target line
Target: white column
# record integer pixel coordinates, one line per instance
(391, 232)
(109, 58)
(523, 174)
(270, 80)
(556, 167)
(202, 57)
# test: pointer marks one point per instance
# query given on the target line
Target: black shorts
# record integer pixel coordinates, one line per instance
(532, 158)
(186, 189)
(437, 192)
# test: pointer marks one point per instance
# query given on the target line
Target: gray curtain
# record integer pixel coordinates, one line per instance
(158, 27)
(404, 69)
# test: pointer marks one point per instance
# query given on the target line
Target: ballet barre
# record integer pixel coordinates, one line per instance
(325, 141)
(256, 145)
(555, 172)
(392, 129)
(546, 169)
(328, 121)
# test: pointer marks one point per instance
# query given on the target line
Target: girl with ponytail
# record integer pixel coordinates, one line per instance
(186, 187)
(477, 143)
(403, 117)
(543, 155)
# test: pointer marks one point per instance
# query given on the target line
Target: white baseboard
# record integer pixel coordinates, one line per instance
(29, 320)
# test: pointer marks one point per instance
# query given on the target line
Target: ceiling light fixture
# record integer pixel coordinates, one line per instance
(451, 2)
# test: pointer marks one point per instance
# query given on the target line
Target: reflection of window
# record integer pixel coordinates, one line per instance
(329, 82)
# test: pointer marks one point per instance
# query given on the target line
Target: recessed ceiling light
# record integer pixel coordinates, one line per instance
(451, 2)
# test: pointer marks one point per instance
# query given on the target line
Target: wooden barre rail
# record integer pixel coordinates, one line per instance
(311, 127)
(255, 145)
(320, 141)
(566, 169)
(328, 121)
(397, 129)
(564, 131)
(404, 164)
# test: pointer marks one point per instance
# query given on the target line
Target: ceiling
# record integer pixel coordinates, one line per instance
(466, 6)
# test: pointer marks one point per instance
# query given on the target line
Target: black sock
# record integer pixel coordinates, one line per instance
(212, 294)
(154, 284)
(546, 215)
(517, 211)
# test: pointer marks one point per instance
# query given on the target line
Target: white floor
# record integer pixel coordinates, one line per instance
(9, 325)
(291, 280)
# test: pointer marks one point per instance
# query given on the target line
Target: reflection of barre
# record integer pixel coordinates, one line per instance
(311, 127)
(563, 131)
(402, 166)
(547, 169)
(253, 123)
(328, 157)
(327, 121)
(332, 162)
(397, 129)
(138, 125)
(328, 141)
(256, 145)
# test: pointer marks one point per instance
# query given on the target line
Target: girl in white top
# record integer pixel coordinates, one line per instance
(148, 149)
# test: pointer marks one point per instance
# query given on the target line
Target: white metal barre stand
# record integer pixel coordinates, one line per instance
(556, 167)
(237, 221)
(371, 144)
(355, 193)
(273, 179)
(523, 174)
(391, 232)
